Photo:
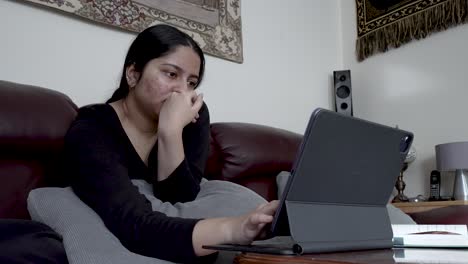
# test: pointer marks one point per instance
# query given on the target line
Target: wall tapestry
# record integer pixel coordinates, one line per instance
(214, 24)
(384, 24)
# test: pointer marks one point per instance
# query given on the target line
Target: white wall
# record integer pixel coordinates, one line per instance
(421, 87)
(50, 49)
(290, 49)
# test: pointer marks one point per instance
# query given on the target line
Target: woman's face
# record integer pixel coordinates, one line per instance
(174, 72)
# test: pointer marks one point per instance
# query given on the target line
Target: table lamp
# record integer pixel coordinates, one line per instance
(454, 157)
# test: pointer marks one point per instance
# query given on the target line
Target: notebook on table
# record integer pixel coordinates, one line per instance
(340, 183)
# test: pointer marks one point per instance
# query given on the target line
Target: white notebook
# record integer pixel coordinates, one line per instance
(446, 236)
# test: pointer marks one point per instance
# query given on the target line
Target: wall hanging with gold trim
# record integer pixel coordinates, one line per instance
(385, 24)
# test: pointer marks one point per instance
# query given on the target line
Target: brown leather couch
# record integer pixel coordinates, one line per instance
(33, 121)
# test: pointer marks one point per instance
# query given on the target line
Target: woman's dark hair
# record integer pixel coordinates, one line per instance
(151, 43)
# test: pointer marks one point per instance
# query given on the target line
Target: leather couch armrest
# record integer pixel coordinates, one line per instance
(34, 121)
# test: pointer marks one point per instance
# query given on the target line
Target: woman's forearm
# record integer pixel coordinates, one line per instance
(170, 152)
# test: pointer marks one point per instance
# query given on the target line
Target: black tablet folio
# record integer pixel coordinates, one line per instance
(340, 183)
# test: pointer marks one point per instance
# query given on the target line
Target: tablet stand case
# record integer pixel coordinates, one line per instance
(339, 202)
(363, 225)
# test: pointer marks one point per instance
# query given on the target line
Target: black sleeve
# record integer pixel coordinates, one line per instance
(183, 184)
(100, 178)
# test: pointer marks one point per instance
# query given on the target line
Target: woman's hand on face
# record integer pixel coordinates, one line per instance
(179, 109)
(251, 226)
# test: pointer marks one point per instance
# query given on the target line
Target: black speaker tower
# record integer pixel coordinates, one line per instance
(342, 89)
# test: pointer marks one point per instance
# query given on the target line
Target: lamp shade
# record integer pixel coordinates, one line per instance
(452, 156)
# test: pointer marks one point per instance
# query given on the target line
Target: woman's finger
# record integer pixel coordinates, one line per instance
(197, 104)
(268, 208)
(259, 218)
(260, 207)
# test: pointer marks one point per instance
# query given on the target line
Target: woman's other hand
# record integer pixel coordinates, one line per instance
(237, 230)
(251, 226)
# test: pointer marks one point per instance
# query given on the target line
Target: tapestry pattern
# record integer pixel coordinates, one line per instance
(214, 24)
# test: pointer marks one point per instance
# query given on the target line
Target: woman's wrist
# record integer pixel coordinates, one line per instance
(233, 230)
(213, 231)
(169, 131)
(229, 229)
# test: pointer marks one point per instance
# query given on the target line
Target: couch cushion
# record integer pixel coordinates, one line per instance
(87, 240)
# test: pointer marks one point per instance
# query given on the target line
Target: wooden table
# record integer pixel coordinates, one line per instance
(416, 207)
(386, 256)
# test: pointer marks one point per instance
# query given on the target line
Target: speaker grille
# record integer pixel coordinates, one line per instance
(343, 92)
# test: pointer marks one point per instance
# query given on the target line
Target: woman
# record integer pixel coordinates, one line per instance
(155, 127)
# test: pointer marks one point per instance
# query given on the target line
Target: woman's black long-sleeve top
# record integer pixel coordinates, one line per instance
(102, 162)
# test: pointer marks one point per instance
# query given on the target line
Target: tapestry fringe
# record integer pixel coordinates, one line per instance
(418, 26)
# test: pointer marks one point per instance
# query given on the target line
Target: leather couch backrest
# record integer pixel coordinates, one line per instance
(33, 123)
(251, 155)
